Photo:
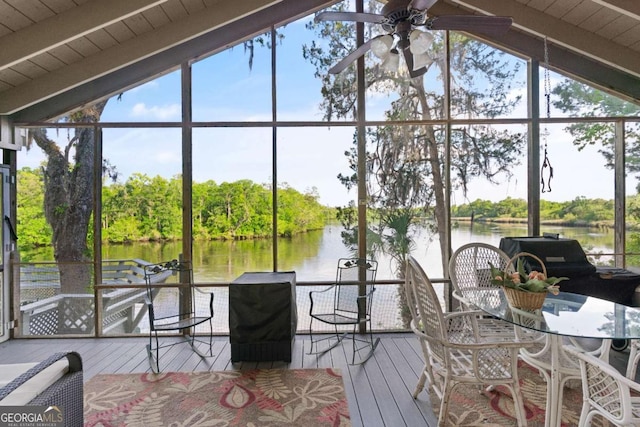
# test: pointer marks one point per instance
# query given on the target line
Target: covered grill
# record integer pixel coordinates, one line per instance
(566, 258)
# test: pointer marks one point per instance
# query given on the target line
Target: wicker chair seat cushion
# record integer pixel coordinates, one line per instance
(32, 387)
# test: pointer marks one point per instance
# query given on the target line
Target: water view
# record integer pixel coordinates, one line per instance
(313, 256)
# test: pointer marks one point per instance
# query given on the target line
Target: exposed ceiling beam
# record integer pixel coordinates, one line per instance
(62, 28)
(628, 7)
(168, 60)
(129, 52)
(558, 32)
(564, 61)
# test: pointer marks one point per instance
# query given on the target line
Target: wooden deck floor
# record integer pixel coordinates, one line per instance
(379, 392)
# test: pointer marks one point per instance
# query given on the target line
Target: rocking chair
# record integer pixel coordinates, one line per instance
(175, 310)
(351, 306)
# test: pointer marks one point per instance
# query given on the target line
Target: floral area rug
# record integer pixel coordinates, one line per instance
(260, 397)
(471, 406)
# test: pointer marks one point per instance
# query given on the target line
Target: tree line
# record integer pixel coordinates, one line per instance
(145, 208)
(579, 211)
(150, 209)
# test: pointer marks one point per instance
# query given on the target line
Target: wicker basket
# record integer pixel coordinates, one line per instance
(525, 300)
(530, 255)
(521, 299)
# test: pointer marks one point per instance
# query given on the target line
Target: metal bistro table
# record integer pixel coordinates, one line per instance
(568, 315)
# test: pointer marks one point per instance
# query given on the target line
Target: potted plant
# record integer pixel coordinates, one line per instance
(524, 290)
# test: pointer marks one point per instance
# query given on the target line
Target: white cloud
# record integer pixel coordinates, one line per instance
(167, 156)
(163, 113)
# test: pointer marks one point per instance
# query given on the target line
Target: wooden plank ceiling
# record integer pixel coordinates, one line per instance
(58, 54)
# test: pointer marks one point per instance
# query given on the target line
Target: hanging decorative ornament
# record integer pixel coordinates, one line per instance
(546, 163)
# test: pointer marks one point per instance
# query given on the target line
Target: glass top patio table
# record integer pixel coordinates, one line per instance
(571, 315)
(566, 314)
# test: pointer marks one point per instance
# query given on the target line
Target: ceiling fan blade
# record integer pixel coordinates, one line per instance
(494, 25)
(408, 59)
(421, 4)
(347, 60)
(350, 16)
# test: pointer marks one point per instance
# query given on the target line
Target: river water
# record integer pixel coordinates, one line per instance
(313, 256)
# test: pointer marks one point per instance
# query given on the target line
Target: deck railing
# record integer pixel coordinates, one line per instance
(116, 306)
(41, 309)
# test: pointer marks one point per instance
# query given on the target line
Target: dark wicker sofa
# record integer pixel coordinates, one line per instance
(65, 393)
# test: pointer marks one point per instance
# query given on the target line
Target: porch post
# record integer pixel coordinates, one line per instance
(619, 244)
(187, 176)
(533, 151)
(362, 169)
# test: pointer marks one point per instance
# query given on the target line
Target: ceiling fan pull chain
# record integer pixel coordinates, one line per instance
(547, 94)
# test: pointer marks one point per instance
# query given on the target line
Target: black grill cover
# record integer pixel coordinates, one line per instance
(561, 257)
(262, 316)
(566, 258)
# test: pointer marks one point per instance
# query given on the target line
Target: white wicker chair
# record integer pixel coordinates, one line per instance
(539, 356)
(457, 350)
(415, 325)
(470, 273)
(606, 392)
(634, 358)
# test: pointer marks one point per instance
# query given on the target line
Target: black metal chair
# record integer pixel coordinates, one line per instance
(175, 308)
(346, 303)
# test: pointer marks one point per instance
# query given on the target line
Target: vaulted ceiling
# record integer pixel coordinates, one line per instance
(56, 55)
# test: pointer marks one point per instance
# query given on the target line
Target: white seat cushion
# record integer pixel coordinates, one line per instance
(33, 387)
(13, 370)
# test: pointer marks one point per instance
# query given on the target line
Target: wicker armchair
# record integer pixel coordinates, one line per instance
(458, 352)
(65, 390)
(634, 358)
(470, 273)
(606, 392)
(469, 269)
(541, 355)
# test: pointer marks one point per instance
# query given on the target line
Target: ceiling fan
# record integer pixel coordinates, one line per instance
(401, 20)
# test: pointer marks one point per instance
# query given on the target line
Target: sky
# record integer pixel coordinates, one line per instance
(310, 159)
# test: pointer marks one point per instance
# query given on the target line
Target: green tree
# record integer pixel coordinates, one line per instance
(68, 196)
(551, 210)
(511, 208)
(580, 100)
(201, 201)
(589, 210)
(34, 230)
(298, 212)
(149, 208)
(633, 208)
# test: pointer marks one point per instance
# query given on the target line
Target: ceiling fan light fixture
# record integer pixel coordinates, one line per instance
(381, 46)
(420, 42)
(392, 61)
(421, 60)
